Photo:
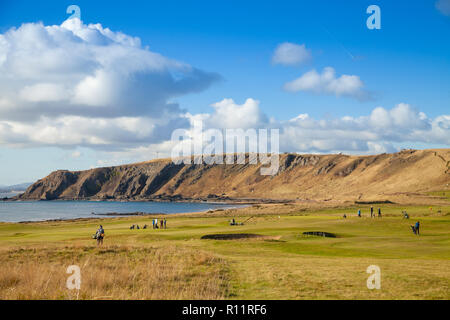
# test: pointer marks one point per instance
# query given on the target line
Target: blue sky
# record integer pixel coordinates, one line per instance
(406, 61)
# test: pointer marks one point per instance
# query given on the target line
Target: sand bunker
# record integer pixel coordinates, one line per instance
(239, 236)
(320, 234)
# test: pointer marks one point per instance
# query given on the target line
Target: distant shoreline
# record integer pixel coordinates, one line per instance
(174, 200)
(103, 209)
(9, 195)
(110, 215)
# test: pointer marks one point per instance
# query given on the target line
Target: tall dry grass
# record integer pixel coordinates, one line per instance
(112, 272)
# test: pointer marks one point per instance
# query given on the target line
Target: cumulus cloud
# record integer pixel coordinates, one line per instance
(77, 84)
(327, 83)
(443, 6)
(289, 54)
(382, 130)
(43, 92)
(228, 114)
(377, 132)
(87, 68)
(100, 133)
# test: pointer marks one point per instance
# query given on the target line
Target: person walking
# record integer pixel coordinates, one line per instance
(379, 212)
(371, 212)
(165, 223)
(99, 235)
(359, 213)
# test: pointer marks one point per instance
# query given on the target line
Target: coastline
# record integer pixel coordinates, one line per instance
(211, 200)
(123, 216)
(130, 214)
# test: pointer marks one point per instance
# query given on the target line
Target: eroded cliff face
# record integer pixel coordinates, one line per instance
(300, 177)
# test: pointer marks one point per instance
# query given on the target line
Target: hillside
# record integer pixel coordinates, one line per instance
(397, 177)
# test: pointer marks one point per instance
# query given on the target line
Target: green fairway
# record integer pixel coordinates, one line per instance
(287, 265)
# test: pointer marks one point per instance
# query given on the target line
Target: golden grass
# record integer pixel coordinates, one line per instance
(176, 263)
(112, 272)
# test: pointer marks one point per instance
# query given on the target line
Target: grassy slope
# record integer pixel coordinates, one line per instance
(294, 267)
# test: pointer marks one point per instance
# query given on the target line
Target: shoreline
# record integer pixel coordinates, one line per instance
(120, 215)
(237, 201)
(104, 216)
(124, 215)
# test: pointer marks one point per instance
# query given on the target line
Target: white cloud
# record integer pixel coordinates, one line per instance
(402, 116)
(289, 54)
(375, 133)
(76, 84)
(43, 92)
(382, 130)
(79, 69)
(130, 139)
(228, 114)
(327, 83)
(99, 133)
(443, 6)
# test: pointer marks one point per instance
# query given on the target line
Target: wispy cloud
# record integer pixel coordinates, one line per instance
(443, 6)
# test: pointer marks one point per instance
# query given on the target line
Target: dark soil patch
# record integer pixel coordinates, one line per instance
(320, 234)
(375, 202)
(238, 236)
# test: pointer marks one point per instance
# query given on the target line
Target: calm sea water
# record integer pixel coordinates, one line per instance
(45, 210)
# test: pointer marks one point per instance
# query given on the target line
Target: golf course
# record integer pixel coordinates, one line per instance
(265, 256)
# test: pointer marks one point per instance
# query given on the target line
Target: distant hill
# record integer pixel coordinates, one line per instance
(394, 177)
(16, 187)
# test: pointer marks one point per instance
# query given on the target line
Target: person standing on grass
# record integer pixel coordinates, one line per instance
(165, 223)
(379, 212)
(371, 211)
(359, 213)
(100, 234)
(417, 226)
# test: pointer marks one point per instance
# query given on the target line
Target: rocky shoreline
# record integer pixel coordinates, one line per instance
(163, 198)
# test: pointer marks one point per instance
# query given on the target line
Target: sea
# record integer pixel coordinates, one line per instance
(19, 211)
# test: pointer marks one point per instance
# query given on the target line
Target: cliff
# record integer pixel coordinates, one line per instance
(300, 177)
